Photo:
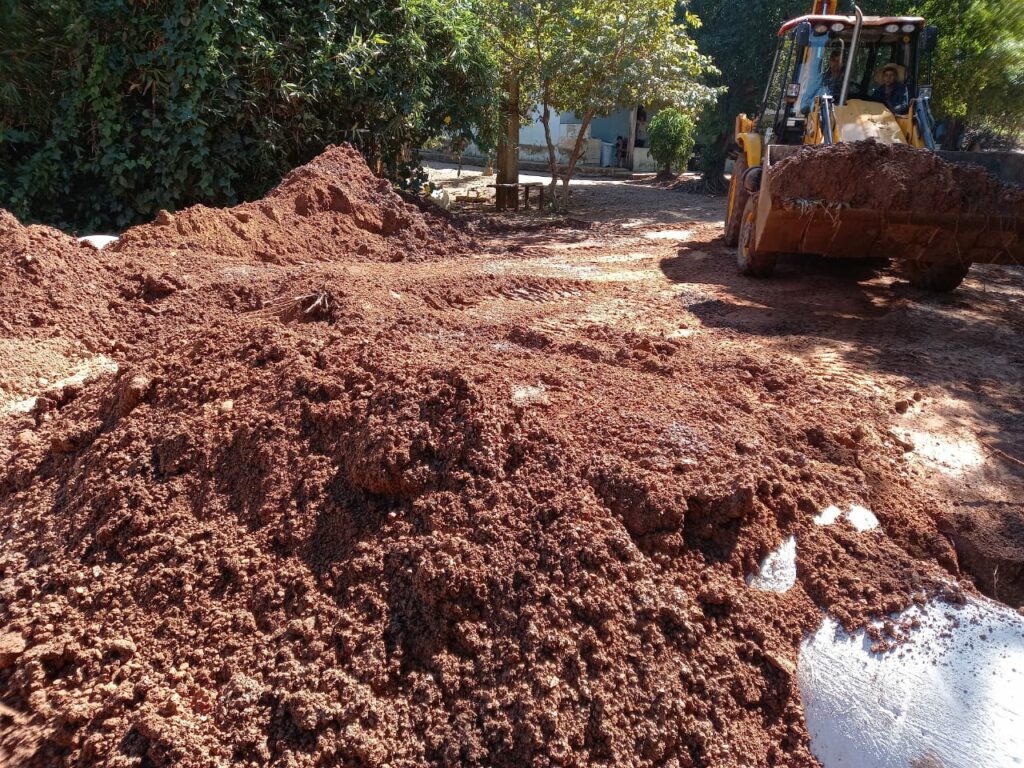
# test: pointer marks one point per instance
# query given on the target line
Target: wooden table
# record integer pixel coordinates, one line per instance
(526, 187)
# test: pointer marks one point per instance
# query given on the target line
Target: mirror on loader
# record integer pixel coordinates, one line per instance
(803, 34)
(930, 39)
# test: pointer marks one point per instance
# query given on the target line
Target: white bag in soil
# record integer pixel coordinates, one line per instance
(951, 696)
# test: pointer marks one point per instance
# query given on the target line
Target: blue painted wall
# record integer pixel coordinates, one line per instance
(611, 127)
(607, 128)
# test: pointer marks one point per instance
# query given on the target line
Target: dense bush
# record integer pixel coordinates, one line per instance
(113, 109)
(672, 135)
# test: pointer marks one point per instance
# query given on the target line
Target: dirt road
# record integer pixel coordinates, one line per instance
(949, 368)
(322, 480)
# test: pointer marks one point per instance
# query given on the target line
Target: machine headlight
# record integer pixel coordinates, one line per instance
(890, 28)
(820, 29)
(838, 26)
(908, 28)
(924, 92)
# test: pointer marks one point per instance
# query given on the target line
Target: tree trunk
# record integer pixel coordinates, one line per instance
(631, 143)
(552, 154)
(508, 147)
(712, 163)
(577, 152)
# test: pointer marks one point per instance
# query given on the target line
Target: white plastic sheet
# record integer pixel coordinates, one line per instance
(952, 696)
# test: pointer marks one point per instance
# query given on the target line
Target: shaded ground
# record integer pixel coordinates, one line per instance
(952, 364)
(367, 488)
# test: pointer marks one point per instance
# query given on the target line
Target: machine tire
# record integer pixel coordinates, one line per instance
(940, 277)
(737, 201)
(750, 262)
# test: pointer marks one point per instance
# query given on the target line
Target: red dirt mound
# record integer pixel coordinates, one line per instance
(45, 276)
(331, 208)
(869, 174)
(280, 546)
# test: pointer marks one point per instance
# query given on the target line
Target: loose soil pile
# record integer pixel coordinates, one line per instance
(168, 272)
(333, 510)
(332, 208)
(895, 177)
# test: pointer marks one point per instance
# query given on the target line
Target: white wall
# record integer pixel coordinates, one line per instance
(642, 160)
(531, 136)
(534, 146)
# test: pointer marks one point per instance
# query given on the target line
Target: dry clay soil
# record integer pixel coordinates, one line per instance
(323, 480)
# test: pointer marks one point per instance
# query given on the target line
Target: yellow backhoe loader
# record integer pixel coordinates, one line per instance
(850, 79)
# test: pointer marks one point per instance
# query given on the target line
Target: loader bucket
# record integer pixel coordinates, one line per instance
(871, 200)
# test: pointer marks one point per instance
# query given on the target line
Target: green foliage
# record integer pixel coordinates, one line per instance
(672, 135)
(740, 37)
(618, 53)
(111, 110)
(979, 64)
(593, 57)
(516, 32)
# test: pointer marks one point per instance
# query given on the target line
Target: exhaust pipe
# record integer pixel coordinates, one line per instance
(853, 52)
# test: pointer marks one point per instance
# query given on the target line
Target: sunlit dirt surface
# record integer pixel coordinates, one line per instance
(949, 367)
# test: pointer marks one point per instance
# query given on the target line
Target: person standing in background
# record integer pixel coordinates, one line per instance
(641, 127)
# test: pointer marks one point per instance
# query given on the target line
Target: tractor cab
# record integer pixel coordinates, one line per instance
(826, 76)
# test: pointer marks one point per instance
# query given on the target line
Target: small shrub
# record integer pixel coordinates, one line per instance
(672, 135)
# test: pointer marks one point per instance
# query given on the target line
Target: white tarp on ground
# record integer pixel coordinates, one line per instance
(950, 697)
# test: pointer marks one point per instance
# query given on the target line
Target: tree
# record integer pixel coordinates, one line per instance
(672, 135)
(620, 53)
(550, 30)
(740, 37)
(978, 69)
(590, 57)
(110, 111)
(510, 26)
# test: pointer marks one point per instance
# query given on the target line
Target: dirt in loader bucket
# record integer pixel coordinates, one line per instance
(868, 174)
(933, 217)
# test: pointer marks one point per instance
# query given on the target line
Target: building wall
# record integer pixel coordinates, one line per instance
(533, 145)
(531, 137)
(604, 128)
(565, 128)
(610, 128)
